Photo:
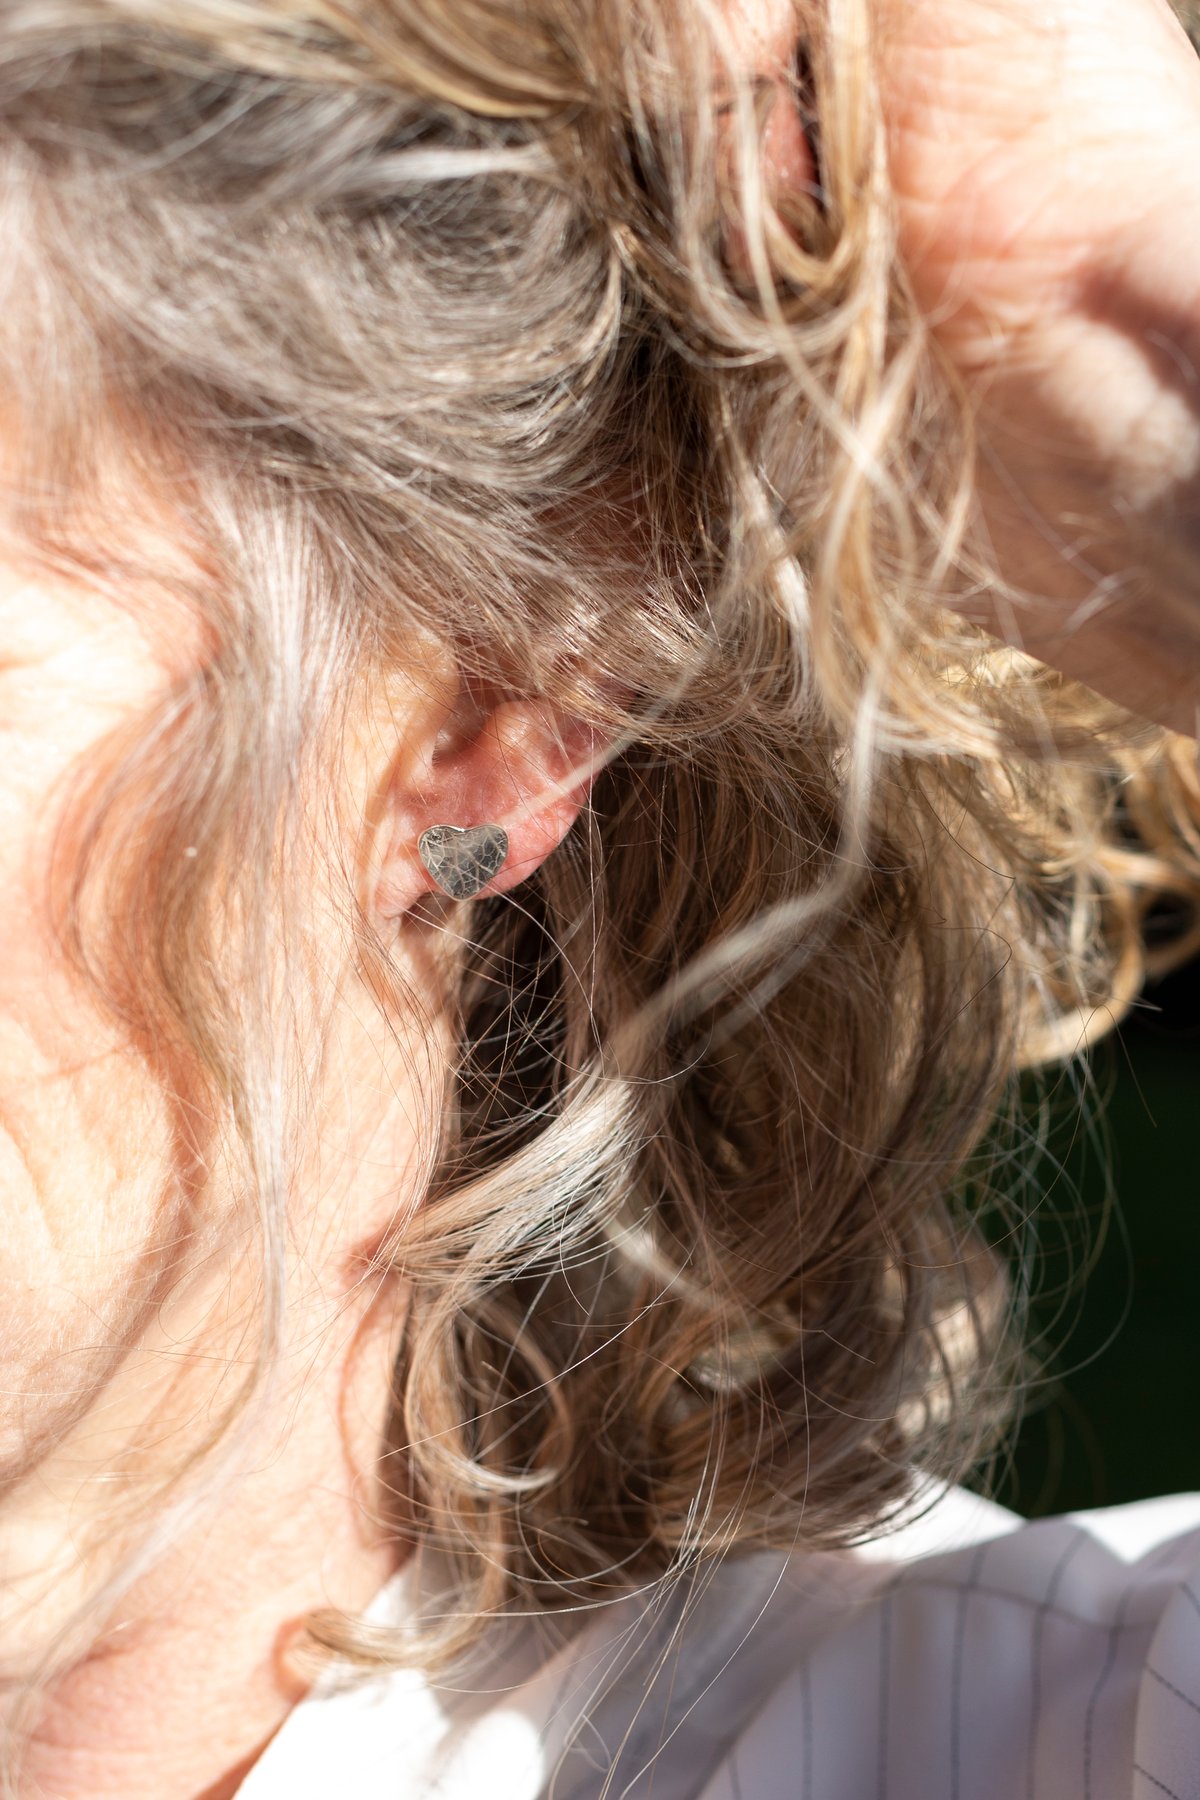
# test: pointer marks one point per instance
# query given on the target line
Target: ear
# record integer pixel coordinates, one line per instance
(764, 37)
(524, 765)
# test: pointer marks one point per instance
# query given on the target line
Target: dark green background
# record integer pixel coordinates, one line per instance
(1118, 1417)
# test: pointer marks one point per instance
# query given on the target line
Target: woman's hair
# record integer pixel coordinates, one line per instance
(414, 318)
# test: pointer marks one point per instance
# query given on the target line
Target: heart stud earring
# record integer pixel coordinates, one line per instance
(461, 859)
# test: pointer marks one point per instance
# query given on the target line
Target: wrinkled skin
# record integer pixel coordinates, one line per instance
(1043, 160)
(1059, 243)
(1043, 164)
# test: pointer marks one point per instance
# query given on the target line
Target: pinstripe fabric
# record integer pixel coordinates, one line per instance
(976, 1657)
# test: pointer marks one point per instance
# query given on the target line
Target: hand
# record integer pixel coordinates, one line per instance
(1033, 149)
(1043, 160)
(1044, 156)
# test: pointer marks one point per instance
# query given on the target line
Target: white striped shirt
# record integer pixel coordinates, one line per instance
(975, 1656)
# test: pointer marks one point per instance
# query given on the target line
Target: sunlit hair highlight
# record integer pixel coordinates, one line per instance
(420, 314)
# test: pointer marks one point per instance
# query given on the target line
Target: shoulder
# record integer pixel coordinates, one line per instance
(1040, 1659)
(973, 1656)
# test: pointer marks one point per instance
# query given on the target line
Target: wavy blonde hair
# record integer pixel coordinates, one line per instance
(424, 304)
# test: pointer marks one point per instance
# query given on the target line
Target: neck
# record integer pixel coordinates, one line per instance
(190, 1678)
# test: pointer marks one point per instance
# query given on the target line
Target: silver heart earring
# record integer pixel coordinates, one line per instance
(461, 859)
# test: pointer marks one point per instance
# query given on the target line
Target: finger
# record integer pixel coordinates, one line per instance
(764, 35)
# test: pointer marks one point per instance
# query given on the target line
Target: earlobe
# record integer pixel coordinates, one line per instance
(480, 811)
(545, 763)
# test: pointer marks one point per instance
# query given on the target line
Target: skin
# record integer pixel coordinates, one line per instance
(1042, 168)
(1047, 247)
(85, 1149)
(1042, 159)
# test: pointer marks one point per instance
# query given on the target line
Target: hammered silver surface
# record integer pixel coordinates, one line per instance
(461, 859)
